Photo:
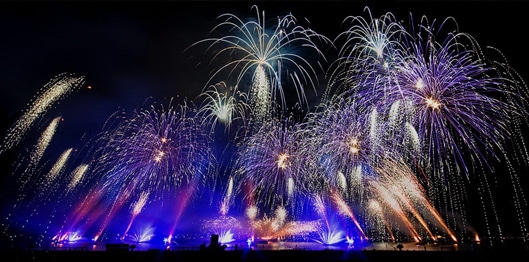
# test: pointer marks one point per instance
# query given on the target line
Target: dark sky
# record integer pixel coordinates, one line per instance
(130, 51)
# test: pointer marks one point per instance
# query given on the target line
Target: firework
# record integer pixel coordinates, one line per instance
(272, 166)
(368, 50)
(438, 85)
(278, 226)
(452, 106)
(154, 152)
(401, 192)
(266, 55)
(413, 119)
(36, 154)
(76, 176)
(59, 165)
(223, 105)
(55, 90)
(44, 141)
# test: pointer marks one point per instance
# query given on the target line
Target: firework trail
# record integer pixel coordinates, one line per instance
(76, 176)
(456, 109)
(90, 206)
(48, 185)
(329, 233)
(34, 189)
(437, 81)
(344, 209)
(402, 192)
(456, 100)
(58, 167)
(225, 205)
(44, 141)
(347, 143)
(35, 155)
(342, 136)
(55, 90)
(462, 110)
(396, 209)
(375, 208)
(137, 207)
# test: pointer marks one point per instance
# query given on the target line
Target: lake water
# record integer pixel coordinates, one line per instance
(271, 245)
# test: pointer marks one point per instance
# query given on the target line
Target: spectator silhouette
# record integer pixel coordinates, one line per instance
(214, 244)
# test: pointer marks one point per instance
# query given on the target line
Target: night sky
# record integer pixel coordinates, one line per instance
(129, 51)
(132, 51)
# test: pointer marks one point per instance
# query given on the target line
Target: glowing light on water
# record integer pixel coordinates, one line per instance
(69, 236)
(141, 234)
(350, 241)
(330, 236)
(226, 237)
(279, 226)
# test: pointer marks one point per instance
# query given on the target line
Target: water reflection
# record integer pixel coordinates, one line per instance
(263, 245)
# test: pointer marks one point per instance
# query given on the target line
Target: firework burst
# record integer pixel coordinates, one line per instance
(369, 49)
(157, 153)
(155, 150)
(267, 55)
(223, 105)
(272, 166)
